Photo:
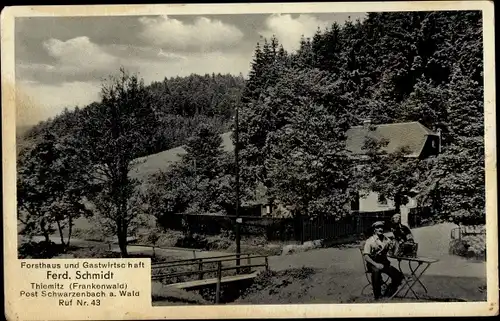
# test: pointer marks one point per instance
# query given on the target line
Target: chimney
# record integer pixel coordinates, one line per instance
(367, 123)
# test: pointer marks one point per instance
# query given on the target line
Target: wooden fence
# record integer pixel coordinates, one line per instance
(466, 230)
(284, 229)
(328, 227)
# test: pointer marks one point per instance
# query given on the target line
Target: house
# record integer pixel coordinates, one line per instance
(419, 142)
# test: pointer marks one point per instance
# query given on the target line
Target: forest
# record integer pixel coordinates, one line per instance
(294, 109)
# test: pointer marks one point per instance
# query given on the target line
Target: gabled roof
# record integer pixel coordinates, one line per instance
(412, 135)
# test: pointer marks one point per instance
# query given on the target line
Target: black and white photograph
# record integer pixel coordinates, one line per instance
(259, 158)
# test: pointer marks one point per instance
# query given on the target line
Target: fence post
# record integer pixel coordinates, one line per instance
(200, 268)
(302, 229)
(219, 277)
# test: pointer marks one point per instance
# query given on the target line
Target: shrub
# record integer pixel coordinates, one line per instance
(476, 245)
(194, 241)
(168, 238)
(94, 233)
(471, 246)
(39, 250)
(219, 242)
(458, 247)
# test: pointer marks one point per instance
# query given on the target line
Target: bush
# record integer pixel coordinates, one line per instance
(195, 241)
(476, 245)
(90, 234)
(219, 242)
(458, 247)
(39, 250)
(470, 246)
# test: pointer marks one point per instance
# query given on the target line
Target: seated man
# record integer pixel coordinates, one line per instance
(401, 232)
(375, 254)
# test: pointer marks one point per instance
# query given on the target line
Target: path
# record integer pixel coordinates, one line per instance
(433, 242)
(180, 253)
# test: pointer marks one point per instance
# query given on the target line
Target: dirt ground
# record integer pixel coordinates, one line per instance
(336, 275)
(310, 286)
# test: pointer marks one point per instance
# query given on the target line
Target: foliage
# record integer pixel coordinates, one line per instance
(39, 250)
(390, 67)
(50, 188)
(112, 132)
(202, 182)
(210, 95)
(471, 246)
(293, 112)
(393, 176)
(178, 104)
(311, 149)
(257, 116)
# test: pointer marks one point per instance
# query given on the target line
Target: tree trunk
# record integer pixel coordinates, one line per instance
(70, 229)
(122, 243)
(397, 202)
(61, 235)
(122, 238)
(44, 231)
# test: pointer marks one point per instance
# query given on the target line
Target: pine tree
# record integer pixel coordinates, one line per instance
(460, 169)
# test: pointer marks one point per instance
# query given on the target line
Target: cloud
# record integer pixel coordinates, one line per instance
(79, 60)
(289, 30)
(36, 101)
(203, 34)
(79, 54)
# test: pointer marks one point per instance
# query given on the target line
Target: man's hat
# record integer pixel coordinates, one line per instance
(378, 223)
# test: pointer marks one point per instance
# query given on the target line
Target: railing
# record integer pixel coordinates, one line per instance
(465, 230)
(200, 262)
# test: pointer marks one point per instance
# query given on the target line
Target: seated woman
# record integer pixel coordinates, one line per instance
(402, 233)
(404, 242)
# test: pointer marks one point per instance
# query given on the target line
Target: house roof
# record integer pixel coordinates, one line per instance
(411, 135)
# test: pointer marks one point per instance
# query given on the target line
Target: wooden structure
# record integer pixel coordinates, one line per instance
(466, 230)
(198, 268)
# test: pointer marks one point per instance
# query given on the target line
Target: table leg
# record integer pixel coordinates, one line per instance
(412, 277)
(405, 280)
(417, 277)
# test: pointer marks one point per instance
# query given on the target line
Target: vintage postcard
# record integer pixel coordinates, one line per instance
(249, 160)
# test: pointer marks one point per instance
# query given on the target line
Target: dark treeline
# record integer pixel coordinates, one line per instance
(390, 67)
(179, 104)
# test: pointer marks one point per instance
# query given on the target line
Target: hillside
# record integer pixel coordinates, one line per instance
(179, 106)
(151, 164)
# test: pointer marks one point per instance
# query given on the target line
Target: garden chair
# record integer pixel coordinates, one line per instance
(385, 278)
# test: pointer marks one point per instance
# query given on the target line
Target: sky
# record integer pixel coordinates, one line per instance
(61, 62)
